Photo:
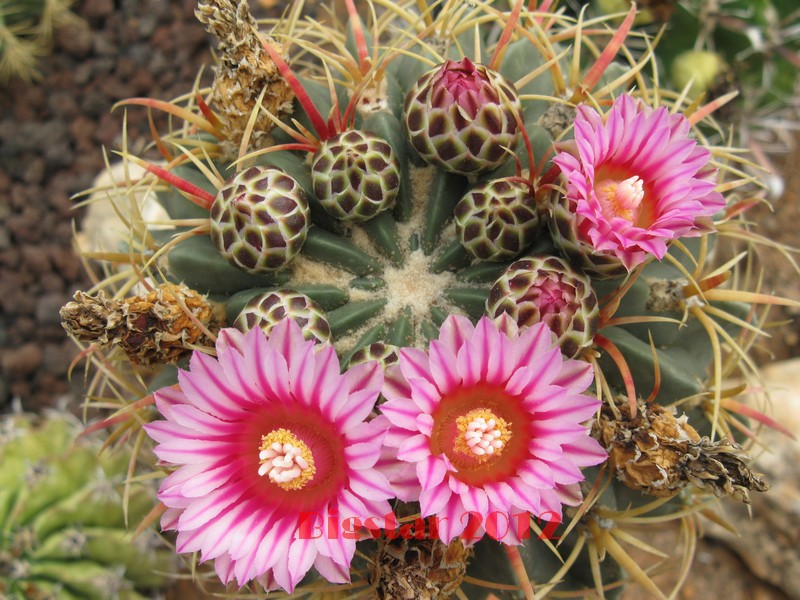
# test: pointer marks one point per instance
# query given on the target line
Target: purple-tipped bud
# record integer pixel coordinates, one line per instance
(462, 117)
(548, 290)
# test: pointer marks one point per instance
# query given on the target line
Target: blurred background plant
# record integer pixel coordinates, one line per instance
(26, 34)
(65, 506)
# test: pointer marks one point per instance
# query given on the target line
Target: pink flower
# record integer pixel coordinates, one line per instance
(489, 421)
(264, 436)
(637, 180)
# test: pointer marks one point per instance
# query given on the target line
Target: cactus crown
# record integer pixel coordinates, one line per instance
(400, 201)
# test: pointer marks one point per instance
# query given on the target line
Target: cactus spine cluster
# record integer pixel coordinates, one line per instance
(26, 34)
(411, 180)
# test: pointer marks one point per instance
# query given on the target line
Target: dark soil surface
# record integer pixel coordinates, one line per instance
(51, 136)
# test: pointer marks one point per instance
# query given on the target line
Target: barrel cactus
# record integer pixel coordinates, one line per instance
(505, 271)
(62, 525)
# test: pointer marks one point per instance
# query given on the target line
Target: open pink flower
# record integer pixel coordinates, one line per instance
(269, 438)
(636, 180)
(490, 421)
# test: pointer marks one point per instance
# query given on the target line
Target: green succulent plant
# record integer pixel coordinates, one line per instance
(62, 521)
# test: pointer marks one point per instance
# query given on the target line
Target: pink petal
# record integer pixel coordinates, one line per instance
(395, 386)
(424, 394)
(475, 500)
(224, 568)
(585, 451)
(370, 484)
(431, 471)
(575, 375)
(302, 554)
(500, 495)
(452, 520)
(414, 365)
(328, 381)
(455, 332)
(536, 473)
(433, 500)
(402, 413)
(365, 382)
(416, 447)
(362, 456)
(242, 380)
(202, 510)
(442, 366)
(331, 571)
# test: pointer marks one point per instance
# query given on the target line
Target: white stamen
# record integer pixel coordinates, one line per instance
(483, 437)
(283, 462)
(621, 198)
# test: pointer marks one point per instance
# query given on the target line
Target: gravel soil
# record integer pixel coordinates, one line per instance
(51, 136)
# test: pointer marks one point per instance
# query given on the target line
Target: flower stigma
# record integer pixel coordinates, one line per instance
(286, 459)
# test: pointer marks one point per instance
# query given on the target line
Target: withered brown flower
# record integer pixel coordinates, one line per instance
(243, 71)
(426, 569)
(155, 328)
(660, 454)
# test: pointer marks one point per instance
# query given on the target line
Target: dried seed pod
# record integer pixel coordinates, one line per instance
(152, 329)
(259, 219)
(267, 310)
(244, 70)
(660, 454)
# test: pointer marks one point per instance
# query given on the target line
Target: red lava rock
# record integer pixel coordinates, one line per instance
(98, 9)
(47, 308)
(58, 357)
(35, 259)
(22, 361)
(74, 38)
(22, 390)
(51, 134)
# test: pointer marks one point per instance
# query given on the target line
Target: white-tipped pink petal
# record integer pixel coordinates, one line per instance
(302, 554)
(455, 332)
(431, 471)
